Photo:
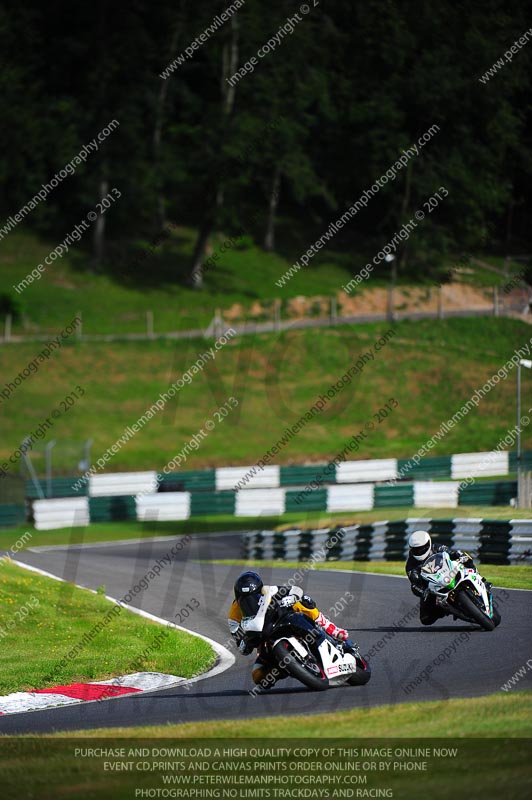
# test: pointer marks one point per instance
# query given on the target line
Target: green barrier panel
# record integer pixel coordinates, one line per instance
(495, 538)
(208, 503)
(194, 480)
(315, 501)
(428, 467)
(279, 545)
(61, 487)
(395, 541)
(441, 531)
(302, 476)
(306, 545)
(112, 509)
(252, 547)
(12, 514)
(334, 544)
(526, 460)
(389, 496)
(363, 543)
(488, 493)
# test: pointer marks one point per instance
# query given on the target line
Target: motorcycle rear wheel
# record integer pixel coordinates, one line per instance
(292, 663)
(468, 605)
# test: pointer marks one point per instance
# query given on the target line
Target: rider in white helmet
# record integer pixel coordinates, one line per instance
(421, 548)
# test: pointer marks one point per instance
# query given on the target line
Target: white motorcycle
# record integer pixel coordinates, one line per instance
(301, 649)
(460, 590)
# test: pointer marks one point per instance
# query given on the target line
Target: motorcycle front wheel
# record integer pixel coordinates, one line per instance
(308, 671)
(362, 675)
(496, 617)
(468, 605)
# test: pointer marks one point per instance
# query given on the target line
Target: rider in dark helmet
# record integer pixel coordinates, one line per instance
(249, 589)
(420, 549)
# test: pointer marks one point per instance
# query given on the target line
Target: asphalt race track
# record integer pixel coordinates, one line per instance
(476, 663)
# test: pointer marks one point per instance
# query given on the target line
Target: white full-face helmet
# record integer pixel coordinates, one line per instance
(420, 544)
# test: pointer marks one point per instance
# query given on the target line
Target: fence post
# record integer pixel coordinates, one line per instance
(391, 314)
(7, 329)
(334, 310)
(277, 314)
(218, 324)
(440, 303)
(149, 324)
(48, 457)
(79, 329)
(495, 301)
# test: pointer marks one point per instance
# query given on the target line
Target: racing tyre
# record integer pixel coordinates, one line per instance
(468, 605)
(362, 675)
(306, 670)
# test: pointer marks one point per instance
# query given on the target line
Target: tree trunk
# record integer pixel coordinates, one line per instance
(158, 128)
(509, 222)
(402, 258)
(229, 66)
(98, 236)
(198, 256)
(269, 236)
(100, 103)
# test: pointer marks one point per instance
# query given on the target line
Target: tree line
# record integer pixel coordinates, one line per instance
(332, 95)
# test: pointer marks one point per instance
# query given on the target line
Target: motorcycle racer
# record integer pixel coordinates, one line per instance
(420, 549)
(248, 590)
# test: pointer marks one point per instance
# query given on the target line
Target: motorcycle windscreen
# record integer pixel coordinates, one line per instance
(249, 604)
(434, 564)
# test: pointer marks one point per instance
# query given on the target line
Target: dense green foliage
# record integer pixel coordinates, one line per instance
(319, 118)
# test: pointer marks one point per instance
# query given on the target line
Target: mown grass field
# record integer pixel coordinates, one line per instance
(42, 621)
(430, 368)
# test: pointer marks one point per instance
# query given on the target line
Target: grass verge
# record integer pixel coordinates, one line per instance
(43, 625)
(494, 715)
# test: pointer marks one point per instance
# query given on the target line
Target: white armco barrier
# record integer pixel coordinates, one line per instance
(520, 549)
(125, 483)
(465, 465)
(163, 507)
(64, 512)
(466, 535)
(435, 494)
(357, 497)
(265, 478)
(260, 503)
(521, 541)
(378, 469)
